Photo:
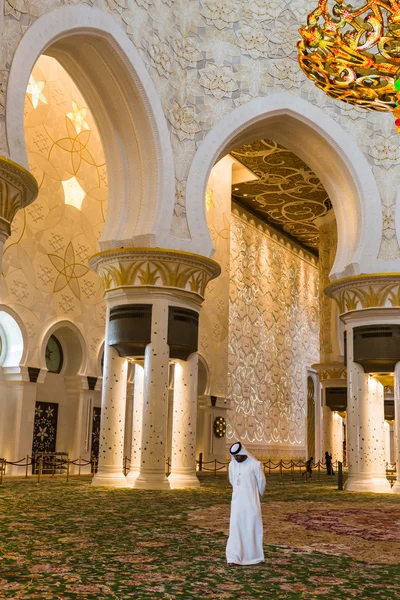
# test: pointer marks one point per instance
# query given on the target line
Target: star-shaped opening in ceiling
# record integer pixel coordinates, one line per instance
(77, 116)
(35, 89)
(73, 192)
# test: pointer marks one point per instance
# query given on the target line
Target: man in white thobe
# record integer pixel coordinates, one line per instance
(245, 542)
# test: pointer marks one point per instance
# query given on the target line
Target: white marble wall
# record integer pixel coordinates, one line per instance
(273, 337)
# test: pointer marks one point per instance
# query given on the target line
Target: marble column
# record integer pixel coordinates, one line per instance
(365, 429)
(78, 411)
(137, 419)
(183, 455)
(111, 454)
(396, 487)
(336, 444)
(155, 403)
(387, 443)
(161, 278)
(331, 369)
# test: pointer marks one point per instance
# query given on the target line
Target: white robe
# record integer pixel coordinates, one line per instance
(245, 542)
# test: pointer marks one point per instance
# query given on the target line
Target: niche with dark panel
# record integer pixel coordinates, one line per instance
(130, 329)
(336, 398)
(183, 332)
(389, 410)
(377, 347)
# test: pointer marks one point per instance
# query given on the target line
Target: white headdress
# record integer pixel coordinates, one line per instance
(238, 449)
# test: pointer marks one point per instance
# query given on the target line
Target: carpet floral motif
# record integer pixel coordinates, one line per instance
(63, 541)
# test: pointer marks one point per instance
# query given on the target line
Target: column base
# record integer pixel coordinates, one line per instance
(146, 481)
(116, 480)
(131, 477)
(396, 488)
(378, 485)
(179, 481)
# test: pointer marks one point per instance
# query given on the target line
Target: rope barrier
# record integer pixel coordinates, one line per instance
(57, 462)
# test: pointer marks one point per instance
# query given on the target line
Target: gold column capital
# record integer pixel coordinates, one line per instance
(18, 188)
(329, 371)
(154, 267)
(375, 290)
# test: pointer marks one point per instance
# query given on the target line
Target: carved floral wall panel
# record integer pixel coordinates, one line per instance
(273, 337)
(45, 264)
(208, 56)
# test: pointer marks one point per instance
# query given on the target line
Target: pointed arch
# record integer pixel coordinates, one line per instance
(124, 102)
(323, 145)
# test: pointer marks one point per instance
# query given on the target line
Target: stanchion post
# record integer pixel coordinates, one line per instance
(319, 470)
(39, 469)
(280, 469)
(68, 463)
(269, 467)
(215, 467)
(79, 466)
(292, 467)
(1, 471)
(340, 475)
(26, 466)
(200, 461)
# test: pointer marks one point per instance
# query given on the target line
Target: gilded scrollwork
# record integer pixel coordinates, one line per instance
(286, 193)
(351, 53)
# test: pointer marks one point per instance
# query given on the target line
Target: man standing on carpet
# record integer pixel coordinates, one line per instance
(245, 542)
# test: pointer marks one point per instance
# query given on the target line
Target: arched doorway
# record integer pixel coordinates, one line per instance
(109, 71)
(324, 146)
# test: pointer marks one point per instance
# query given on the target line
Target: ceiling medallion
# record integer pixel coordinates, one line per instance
(353, 54)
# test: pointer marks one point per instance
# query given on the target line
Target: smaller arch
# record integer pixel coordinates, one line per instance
(100, 359)
(14, 338)
(203, 377)
(73, 344)
(329, 151)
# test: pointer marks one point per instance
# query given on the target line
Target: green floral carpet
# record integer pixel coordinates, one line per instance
(60, 540)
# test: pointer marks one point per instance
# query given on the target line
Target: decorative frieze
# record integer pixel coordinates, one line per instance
(18, 188)
(158, 267)
(379, 290)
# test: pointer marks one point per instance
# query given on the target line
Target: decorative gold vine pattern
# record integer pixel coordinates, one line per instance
(272, 339)
(371, 291)
(155, 267)
(287, 194)
(352, 53)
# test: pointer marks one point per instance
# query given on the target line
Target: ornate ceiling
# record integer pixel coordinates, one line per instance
(286, 194)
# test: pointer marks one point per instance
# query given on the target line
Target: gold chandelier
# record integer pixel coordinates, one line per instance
(353, 54)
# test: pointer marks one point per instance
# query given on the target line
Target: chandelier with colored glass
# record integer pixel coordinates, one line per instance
(353, 53)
